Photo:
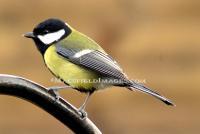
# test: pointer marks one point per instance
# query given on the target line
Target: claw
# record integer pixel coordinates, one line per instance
(82, 113)
(55, 93)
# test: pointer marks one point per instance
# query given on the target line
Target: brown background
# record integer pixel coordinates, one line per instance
(153, 40)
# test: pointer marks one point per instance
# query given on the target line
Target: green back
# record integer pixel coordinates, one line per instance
(77, 40)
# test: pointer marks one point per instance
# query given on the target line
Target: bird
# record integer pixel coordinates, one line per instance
(80, 62)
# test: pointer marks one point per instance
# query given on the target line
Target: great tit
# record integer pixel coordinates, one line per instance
(79, 61)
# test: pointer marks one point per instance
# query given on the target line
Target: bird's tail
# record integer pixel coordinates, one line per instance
(146, 90)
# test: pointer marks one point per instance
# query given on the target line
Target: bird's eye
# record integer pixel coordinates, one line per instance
(46, 31)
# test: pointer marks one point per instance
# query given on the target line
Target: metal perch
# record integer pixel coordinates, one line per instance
(39, 95)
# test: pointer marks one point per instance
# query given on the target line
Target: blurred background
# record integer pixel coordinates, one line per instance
(154, 41)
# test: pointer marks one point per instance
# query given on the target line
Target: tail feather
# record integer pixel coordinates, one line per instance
(146, 90)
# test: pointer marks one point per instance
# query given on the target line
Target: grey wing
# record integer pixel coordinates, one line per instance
(104, 65)
(93, 60)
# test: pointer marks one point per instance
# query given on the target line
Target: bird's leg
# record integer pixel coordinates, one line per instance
(82, 107)
(56, 88)
(54, 91)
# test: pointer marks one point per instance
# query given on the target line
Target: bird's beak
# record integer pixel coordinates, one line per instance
(29, 35)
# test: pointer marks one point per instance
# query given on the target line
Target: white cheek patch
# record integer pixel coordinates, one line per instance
(51, 37)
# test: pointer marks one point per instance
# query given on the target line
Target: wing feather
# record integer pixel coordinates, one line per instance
(94, 60)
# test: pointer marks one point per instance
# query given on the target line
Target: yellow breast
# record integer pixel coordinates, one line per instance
(72, 74)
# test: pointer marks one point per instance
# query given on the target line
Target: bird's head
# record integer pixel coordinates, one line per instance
(48, 32)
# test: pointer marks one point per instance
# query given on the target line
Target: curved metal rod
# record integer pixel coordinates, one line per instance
(39, 95)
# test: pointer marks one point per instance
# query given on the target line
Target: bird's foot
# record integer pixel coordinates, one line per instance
(54, 93)
(82, 112)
